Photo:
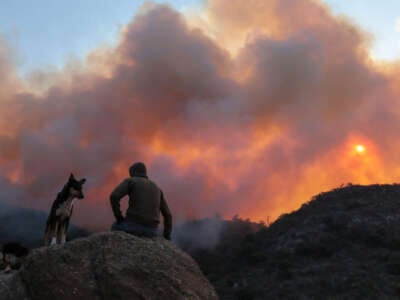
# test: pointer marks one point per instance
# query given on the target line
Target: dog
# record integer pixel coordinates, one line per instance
(12, 255)
(61, 211)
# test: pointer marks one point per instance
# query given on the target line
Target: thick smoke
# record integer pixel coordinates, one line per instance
(248, 113)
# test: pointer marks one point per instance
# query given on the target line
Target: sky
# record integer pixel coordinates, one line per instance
(49, 33)
(236, 107)
(380, 18)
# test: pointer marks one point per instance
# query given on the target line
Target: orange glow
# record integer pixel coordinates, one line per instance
(253, 119)
(360, 148)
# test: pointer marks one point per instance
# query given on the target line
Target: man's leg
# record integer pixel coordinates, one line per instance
(116, 226)
(140, 230)
(135, 229)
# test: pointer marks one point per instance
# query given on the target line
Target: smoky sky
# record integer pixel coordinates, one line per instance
(246, 113)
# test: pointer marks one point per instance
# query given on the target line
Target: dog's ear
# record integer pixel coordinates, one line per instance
(83, 180)
(71, 177)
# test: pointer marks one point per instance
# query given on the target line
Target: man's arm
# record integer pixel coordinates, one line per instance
(117, 194)
(167, 217)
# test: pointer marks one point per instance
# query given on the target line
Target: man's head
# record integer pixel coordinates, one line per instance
(138, 169)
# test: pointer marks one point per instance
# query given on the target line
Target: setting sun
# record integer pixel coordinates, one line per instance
(360, 148)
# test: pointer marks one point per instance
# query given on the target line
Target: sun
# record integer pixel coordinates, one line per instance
(360, 148)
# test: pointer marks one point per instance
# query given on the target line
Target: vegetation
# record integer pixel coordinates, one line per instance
(342, 244)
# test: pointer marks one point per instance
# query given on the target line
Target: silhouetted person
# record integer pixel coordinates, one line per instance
(146, 201)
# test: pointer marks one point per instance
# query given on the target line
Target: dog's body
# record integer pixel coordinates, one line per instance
(61, 211)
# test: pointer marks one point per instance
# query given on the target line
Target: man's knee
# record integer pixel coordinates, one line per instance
(135, 229)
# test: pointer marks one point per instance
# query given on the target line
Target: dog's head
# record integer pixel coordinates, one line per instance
(75, 186)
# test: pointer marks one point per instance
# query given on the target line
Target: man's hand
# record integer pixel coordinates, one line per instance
(116, 195)
(167, 235)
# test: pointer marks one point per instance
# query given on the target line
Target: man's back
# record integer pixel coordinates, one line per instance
(146, 201)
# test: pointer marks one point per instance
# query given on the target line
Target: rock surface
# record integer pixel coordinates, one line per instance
(108, 266)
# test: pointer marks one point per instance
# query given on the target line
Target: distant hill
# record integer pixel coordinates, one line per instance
(343, 244)
(27, 226)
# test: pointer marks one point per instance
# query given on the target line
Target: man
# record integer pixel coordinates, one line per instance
(146, 201)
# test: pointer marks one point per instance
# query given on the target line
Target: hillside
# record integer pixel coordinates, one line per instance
(342, 244)
(27, 226)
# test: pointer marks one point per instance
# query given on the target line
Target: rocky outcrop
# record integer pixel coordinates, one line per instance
(12, 287)
(108, 266)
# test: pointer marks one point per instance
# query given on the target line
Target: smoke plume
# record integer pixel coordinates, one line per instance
(247, 108)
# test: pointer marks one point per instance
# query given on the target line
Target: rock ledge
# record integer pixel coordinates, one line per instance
(111, 265)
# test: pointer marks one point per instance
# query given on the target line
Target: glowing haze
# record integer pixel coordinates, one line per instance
(243, 108)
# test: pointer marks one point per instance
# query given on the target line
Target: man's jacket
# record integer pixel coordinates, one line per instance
(146, 201)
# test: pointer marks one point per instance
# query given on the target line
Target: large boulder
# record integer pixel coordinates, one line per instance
(12, 287)
(108, 266)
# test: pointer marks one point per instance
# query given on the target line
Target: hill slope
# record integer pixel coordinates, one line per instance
(26, 226)
(344, 243)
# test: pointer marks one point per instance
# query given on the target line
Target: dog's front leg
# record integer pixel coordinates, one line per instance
(64, 229)
(60, 232)
(54, 239)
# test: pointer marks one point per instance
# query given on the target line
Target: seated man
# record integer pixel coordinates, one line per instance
(146, 201)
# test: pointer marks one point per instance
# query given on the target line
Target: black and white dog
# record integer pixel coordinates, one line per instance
(61, 211)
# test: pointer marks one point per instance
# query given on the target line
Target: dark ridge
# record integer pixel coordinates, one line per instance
(343, 244)
(26, 226)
